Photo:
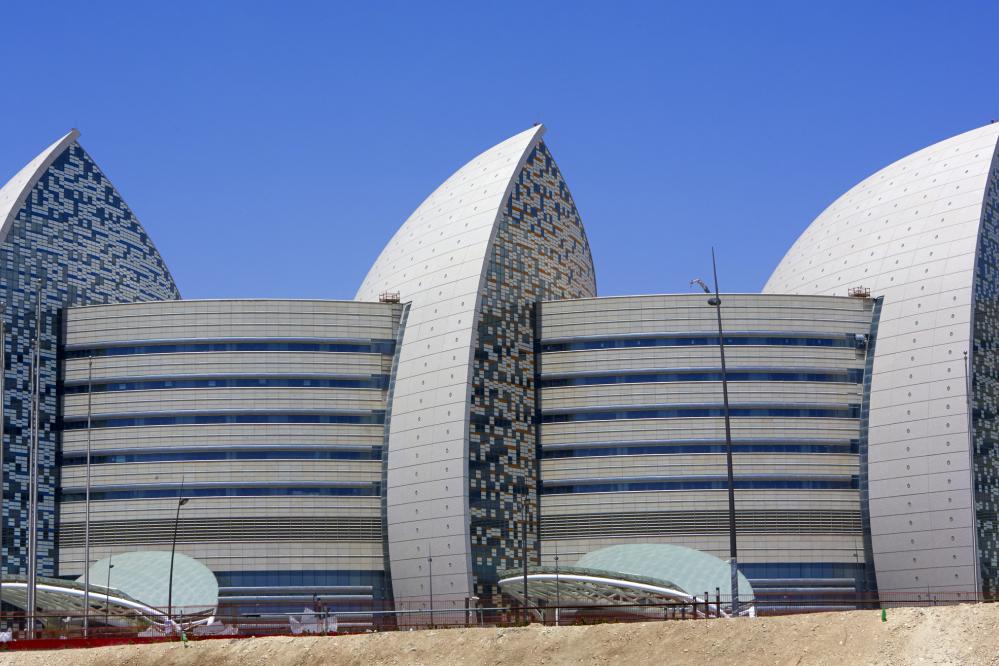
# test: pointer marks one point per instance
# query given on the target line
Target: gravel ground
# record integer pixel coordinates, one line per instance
(967, 634)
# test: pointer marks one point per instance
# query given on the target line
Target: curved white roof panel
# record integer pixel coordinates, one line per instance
(436, 262)
(500, 235)
(14, 192)
(909, 233)
(458, 219)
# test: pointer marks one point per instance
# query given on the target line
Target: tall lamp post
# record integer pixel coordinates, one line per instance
(86, 529)
(715, 302)
(107, 590)
(558, 596)
(36, 378)
(430, 577)
(523, 542)
(173, 551)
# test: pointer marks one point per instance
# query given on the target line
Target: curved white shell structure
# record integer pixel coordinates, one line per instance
(13, 193)
(498, 236)
(435, 262)
(909, 233)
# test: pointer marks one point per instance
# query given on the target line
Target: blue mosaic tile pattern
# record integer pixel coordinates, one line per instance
(985, 389)
(540, 253)
(73, 242)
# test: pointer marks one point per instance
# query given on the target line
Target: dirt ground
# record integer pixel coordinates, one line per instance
(967, 634)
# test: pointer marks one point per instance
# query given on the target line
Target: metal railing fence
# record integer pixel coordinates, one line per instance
(61, 629)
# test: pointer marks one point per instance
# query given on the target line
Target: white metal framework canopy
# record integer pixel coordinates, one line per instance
(131, 588)
(57, 597)
(632, 574)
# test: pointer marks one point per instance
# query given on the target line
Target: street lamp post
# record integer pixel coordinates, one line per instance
(523, 541)
(478, 609)
(173, 551)
(558, 596)
(86, 529)
(715, 302)
(107, 593)
(35, 425)
(430, 570)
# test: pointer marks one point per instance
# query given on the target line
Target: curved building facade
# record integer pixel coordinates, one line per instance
(477, 409)
(633, 434)
(267, 415)
(498, 236)
(921, 233)
(66, 238)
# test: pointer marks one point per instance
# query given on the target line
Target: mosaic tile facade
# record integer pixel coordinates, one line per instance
(870, 582)
(540, 252)
(985, 380)
(74, 241)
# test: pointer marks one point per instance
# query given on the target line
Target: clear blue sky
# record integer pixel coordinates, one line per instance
(272, 148)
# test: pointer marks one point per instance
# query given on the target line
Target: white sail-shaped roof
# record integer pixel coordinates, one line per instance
(15, 190)
(909, 233)
(436, 262)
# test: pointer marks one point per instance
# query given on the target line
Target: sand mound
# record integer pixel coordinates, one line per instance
(967, 634)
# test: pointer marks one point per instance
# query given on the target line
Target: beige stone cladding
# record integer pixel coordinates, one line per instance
(266, 414)
(632, 438)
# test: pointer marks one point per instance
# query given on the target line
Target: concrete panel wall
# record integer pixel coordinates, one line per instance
(777, 526)
(253, 487)
(909, 234)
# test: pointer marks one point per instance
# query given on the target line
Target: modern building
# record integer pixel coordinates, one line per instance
(473, 260)
(66, 238)
(477, 405)
(922, 234)
(268, 415)
(633, 434)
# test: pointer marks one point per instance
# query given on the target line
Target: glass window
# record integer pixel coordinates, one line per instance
(843, 412)
(209, 419)
(698, 484)
(77, 495)
(845, 340)
(855, 376)
(364, 347)
(373, 382)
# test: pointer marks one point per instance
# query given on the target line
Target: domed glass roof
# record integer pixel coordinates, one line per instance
(695, 571)
(145, 575)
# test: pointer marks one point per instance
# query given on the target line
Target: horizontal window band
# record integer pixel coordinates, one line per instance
(666, 448)
(184, 455)
(555, 446)
(716, 484)
(832, 411)
(226, 484)
(372, 382)
(277, 528)
(677, 523)
(312, 579)
(802, 570)
(77, 495)
(149, 376)
(845, 376)
(124, 421)
(848, 340)
(357, 599)
(240, 446)
(621, 478)
(350, 345)
(799, 583)
(298, 589)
